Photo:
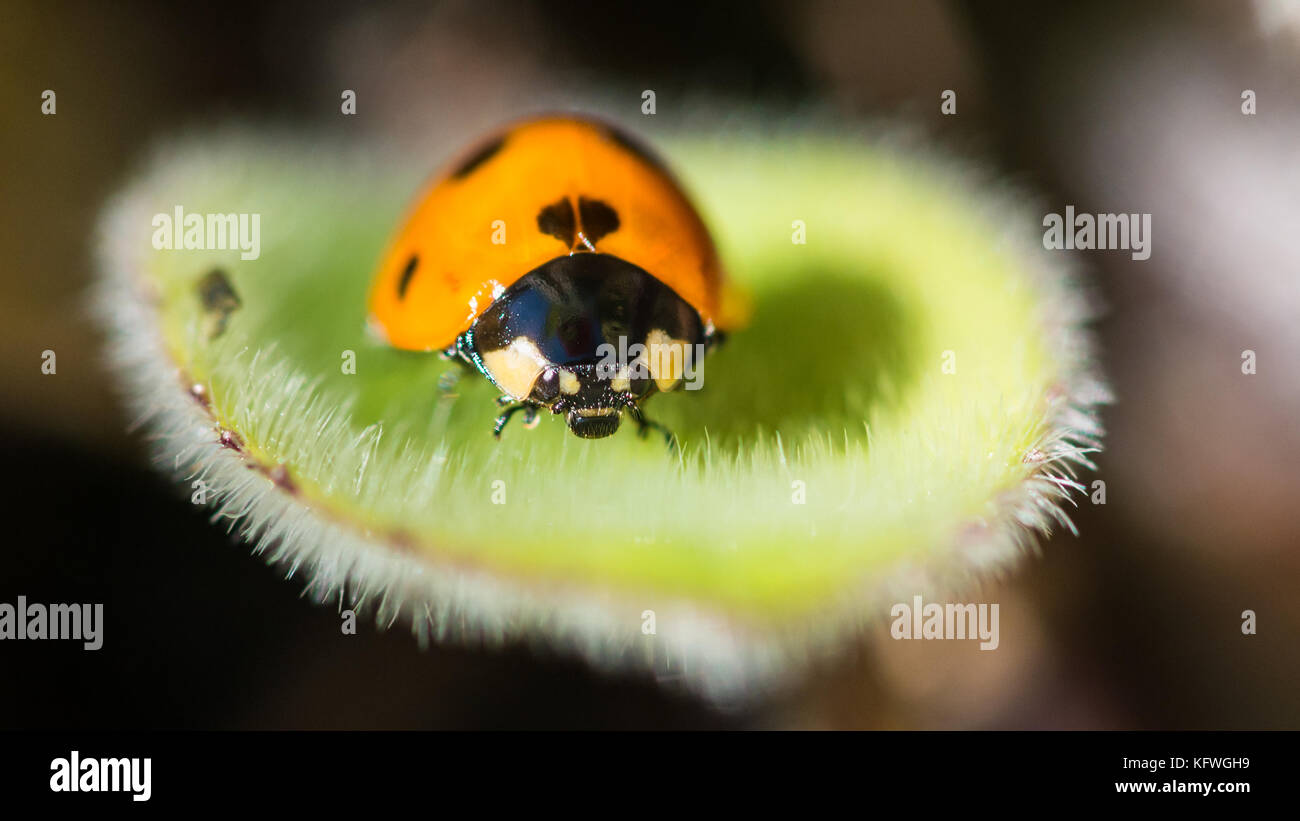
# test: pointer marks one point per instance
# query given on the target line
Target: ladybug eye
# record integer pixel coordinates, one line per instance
(547, 386)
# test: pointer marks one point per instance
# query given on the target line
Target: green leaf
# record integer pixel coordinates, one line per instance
(829, 466)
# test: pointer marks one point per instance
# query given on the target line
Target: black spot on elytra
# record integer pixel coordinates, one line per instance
(598, 219)
(407, 273)
(635, 147)
(473, 161)
(557, 219)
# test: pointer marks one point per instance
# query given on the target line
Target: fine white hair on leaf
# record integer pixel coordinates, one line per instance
(351, 562)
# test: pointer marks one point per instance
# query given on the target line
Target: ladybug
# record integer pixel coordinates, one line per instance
(562, 261)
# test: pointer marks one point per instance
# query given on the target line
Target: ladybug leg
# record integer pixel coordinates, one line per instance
(644, 426)
(530, 416)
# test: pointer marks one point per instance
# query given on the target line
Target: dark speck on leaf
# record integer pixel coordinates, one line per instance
(219, 301)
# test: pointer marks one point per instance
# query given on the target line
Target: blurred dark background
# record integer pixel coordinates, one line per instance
(1106, 106)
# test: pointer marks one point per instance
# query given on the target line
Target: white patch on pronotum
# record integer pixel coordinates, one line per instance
(622, 380)
(568, 382)
(666, 358)
(516, 368)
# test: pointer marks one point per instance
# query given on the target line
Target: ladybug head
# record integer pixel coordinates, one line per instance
(593, 423)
